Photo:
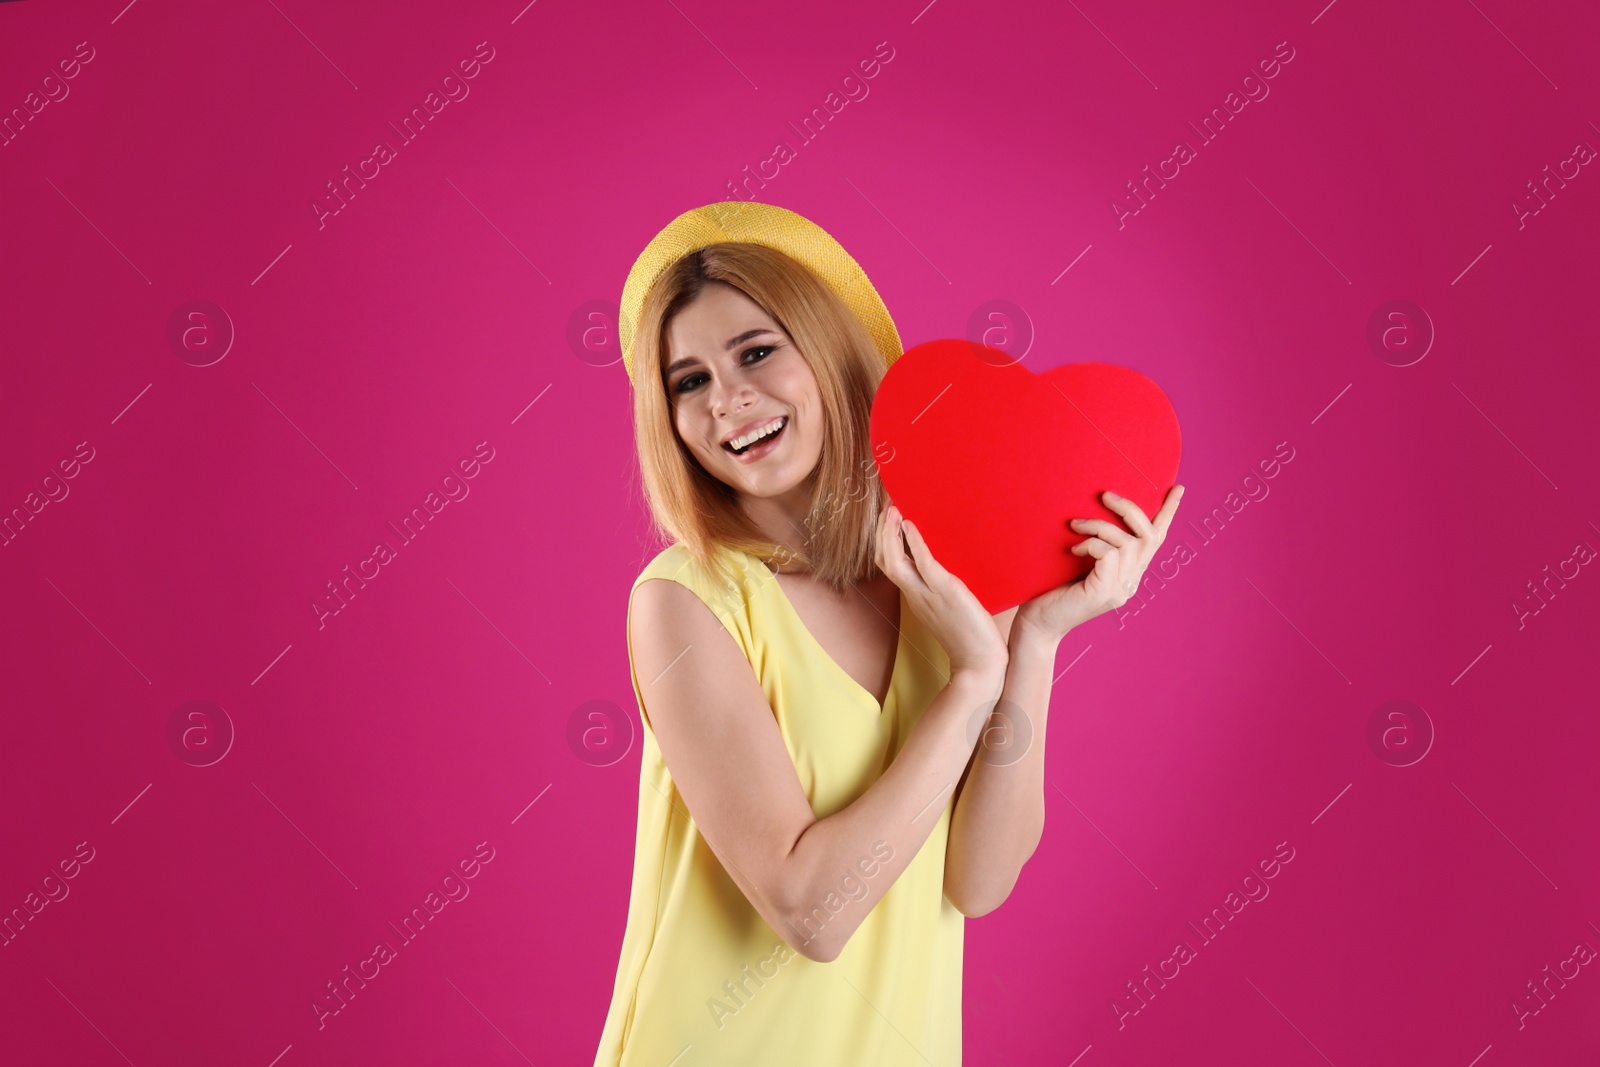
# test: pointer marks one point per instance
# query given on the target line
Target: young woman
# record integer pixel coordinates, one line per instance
(813, 825)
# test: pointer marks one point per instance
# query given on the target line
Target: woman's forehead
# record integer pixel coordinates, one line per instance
(704, 328)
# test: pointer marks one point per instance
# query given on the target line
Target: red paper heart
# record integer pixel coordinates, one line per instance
(990, 460)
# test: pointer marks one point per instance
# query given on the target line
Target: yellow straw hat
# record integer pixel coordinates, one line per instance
(750, 222)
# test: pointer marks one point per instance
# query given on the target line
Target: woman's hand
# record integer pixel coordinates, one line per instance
(1120, 558)
(942, 601)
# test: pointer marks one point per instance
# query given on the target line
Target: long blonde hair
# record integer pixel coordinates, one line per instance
(690, 506)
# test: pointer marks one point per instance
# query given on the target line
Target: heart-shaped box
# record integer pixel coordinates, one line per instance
(990, 461)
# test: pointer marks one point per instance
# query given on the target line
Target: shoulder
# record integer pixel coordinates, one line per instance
(691, 605)
(726, 571)
(673, 562)
(686, 608)
(724, 585)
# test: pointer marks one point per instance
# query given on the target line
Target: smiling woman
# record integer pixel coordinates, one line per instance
(812, 683)
(793, 722)
(758, 313)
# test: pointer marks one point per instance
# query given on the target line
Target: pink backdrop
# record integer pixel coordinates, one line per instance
(436, 337)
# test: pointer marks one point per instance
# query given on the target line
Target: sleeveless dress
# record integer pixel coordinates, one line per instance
(703, 980)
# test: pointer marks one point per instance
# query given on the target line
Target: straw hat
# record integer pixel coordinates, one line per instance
(750, 222)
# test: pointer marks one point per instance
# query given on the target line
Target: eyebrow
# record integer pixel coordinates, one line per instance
(732, 342)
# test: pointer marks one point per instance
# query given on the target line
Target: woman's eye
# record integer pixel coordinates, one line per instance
(690, 382)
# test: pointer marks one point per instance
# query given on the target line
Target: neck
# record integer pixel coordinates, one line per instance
(780, 518)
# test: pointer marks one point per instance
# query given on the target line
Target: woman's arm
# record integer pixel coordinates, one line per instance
(813, 880)
(999, 815)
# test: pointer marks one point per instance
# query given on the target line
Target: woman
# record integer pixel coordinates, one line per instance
(812, 826)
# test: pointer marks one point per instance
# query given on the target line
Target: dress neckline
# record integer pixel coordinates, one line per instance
(822, 653)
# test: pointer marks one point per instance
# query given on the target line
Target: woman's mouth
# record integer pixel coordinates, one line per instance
(761, 445)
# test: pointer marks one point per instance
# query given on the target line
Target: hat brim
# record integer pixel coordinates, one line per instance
(751, 222)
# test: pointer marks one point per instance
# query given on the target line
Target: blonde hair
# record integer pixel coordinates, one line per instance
(692, 507)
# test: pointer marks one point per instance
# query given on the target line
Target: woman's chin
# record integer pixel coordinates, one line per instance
(765, 481)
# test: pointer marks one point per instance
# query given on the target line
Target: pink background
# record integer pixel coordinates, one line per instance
(433, 312)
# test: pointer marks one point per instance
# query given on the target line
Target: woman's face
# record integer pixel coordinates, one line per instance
(731, 371)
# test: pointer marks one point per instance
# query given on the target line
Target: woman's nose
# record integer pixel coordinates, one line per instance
(730, 398)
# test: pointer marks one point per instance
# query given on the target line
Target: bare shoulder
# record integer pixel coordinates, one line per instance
(719, 738)
(666, 614)
(684, 656)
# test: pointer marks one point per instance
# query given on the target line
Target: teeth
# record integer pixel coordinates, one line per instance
(739, 443)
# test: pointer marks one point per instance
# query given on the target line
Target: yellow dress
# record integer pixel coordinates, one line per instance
(703, 980)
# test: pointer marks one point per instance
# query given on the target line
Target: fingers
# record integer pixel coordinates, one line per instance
(891, 550)
(1154, 533)
(1131, 513)
(1117, 579)
(1109, 531)
(887, 547)
(1095, 547)
(1169, 508)
(877, 540)
(927, 566)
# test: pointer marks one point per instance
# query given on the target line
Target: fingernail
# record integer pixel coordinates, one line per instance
(1112, 495)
